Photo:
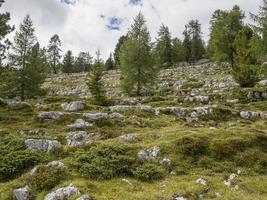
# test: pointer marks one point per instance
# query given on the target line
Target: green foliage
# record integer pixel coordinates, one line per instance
(53, 52)
(193, 44)
(105, 162)
(178, 51)
(149, 172)
(68, 63)
(110, 65)
(164, 47)
(44, 179)
(117, 51)
(225, 25)
(192, 146)
(136, 63)
(246, 70)
(95, 82)
(14, 158)
(83, 62)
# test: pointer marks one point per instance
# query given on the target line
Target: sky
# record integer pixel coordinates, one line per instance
(88, 25)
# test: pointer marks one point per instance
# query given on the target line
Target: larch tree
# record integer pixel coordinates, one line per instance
(138, 73)
(164, 46)
(53, 51)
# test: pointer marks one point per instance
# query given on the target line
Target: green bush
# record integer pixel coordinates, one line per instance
(105, 162)
(46, 179)
(14, 158)
(192, 146)
(247, 75)
(148, 172)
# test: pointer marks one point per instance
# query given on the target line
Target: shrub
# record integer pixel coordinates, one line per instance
(105, 162)
(192, 146)
(46, 179)
(247, 75)
(148, 172)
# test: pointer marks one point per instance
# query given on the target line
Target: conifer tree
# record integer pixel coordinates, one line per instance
(54, 53)
(121, 40)
(164, 46)
(138, 73)
(68, 63)
(95, 82)
(27, 62)
(5, 29)
(110, 65)
(178, 51)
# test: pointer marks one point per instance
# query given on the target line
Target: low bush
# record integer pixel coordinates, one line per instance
(46, 179)
(105, 162)
(148, 172)
(192, 146)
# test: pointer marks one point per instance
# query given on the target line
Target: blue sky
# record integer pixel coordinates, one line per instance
(88, 25)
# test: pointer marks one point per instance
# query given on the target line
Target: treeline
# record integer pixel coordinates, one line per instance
(241, 46)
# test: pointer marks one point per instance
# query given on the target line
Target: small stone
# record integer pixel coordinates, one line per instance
(148, 155)
(129, 138)
(80, 123)
(201, 181)
(73, 106)
(166, 162)
(22, 193)
(85, 197)
(42, 145)
(63, 193)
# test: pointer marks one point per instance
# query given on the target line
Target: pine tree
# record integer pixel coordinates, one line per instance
(68, 63)
(177, 51)
(225, 26)
(136, 64)
(5, 29)
(83, 62)
(246, 69)
(27, 62)
(110, 65)
(54, 52)
(122, 39)
(164, 46)
(95, 83)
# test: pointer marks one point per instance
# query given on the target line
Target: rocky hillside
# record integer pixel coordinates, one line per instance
(199, 137)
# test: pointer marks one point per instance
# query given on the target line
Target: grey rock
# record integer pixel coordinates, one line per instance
(80, 123)
(49, 116)
(56, 164)
(22, 193)
(166, 162)
(63, 193)
(42, 145)
(73, 106)
(121, 108)
(115, 115)
(129, 138)
(252, 115)
(180, 198)
(201, 181)
(80, 138)
(146, 108)
(94, 116)
(263, 83)
(149, 155)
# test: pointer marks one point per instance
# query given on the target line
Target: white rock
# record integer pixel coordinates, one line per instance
(22, 193)
(201, 181)
(263, 83)
(56, 164)
(180, 198)
(85, 197)
(166, 162)
(129, 138)
(42, 145)
(63, 193)
(149, 155)
(80, 123)
(94, 116)
(73, 106)
(47, 116)
(80, 138)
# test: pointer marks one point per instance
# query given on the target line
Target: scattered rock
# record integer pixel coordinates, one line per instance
(166, 162)
(232, 101)
(230, 179)
(73, 106)
(63, 193)
(32, 132)
(56, 164)
(94, 116)
(14, 104)
(253, 115)
(50, 116)
(22, 193)
(129, 138)
(42, 145)
(121, 108)
(263, 83)
(85, 197)
(146, 108)
(80, 138)
(201, 181)
(180, 198)
(149, 155)
(80, 123)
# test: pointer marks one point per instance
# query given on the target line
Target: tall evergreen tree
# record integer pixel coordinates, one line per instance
(164, 46)
(95, 82)
(178, 51)
(28, 63)
(246, 67)
(110, 65)
(53, 51)
(193, 43)
(136, 62)
(68, 63)
(121, 40)
(5, 29)
(225, 26)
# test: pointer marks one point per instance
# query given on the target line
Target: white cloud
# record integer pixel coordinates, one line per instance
(82, 26)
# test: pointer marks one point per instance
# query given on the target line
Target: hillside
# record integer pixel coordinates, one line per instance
(200, 137)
